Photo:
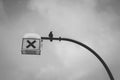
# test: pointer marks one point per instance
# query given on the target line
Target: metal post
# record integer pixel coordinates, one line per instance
(88, 48)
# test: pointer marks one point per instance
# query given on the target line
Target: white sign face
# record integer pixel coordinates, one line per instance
(31, 46)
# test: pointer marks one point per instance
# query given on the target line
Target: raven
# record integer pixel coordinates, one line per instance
(51, 36)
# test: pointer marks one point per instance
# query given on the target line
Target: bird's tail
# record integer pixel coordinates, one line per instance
(51, 40)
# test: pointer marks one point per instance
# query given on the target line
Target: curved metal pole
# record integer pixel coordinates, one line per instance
(88, 48)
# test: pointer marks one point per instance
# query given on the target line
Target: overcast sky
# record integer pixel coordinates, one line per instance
(93, 22)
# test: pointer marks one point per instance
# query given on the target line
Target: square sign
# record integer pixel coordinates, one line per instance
(31, 46)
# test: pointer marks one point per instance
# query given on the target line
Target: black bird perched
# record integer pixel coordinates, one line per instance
(51, 36)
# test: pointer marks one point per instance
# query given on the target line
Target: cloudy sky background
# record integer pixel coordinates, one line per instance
(93, 22)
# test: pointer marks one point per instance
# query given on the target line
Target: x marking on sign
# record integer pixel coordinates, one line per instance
(31, 44)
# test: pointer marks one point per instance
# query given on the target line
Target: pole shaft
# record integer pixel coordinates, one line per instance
(88, 48)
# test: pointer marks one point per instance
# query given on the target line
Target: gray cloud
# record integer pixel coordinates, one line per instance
(94, 22)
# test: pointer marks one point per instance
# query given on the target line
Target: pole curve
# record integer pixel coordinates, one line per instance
(86, 47)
